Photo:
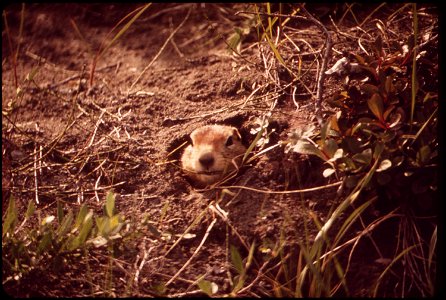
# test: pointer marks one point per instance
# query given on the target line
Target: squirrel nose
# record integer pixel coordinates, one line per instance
(207, 160)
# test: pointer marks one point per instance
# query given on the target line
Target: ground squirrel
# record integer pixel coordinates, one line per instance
(215, 151)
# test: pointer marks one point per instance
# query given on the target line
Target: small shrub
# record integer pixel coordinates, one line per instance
(45, 242)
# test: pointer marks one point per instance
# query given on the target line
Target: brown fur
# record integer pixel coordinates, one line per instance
(209, 142)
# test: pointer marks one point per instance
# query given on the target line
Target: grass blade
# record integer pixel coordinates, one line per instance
(11, 217)
(414, 63)
(378, 282)
(102, 50)
(110, 204)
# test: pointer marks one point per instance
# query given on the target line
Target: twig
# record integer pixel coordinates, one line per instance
(96, 188)
(197, 219)
(280, 192)
(77, 76)
(269, 14)
(341, 32)
(185, 294)
(106, 111)
(40, 159)
(218, 111)
(328, 46)
(370, 15)
(216, 209)
(172, 41)
(95, 129)
(68, 193)
(180, 54)
(50, 146)
(294, 98)
(160, 51)
(35, 175)
(194, 254)
(80, 195)
(141, 265)
(166, 10)
(234, 51)
(259, 274)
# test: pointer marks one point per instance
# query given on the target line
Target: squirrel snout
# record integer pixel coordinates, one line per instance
(207, 160)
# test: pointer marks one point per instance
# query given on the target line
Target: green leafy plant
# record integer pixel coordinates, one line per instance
(371, 120)
(44, 242)
(240, 267)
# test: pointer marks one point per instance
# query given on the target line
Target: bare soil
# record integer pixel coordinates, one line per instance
(106, 136)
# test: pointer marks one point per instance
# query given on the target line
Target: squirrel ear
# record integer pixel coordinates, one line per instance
(236, 133)
(190, 138)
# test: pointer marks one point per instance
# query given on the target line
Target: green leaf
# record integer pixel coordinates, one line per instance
(369, 89)
(423, 155)
(100, 224)
(328, 172)
(389, 87)
(432, 247)
(110, 204)
(330, 147)
(11, 217)
(238, 281)
(236, 260)
(115, 224)
(30, 75)
(30, 210)
(387, 136)
(395, 119)
(80, 217)
(351, 181)
(65, 225)
(334, 122)
(250, 255)
(398, 160)
(48, 220)
(277, 54)
(429, 96)
(45, 242)
(74, 244)
(109, 226)
(159, 289)
(234, 41)
(208, 287)
(384, 165)
(85, 229)
(378, 45)
(324, 131)
(346, 164)
(365, 157)
(362, 124)
(351, 143)
(388, 111)
(375, 104)
(305, 147)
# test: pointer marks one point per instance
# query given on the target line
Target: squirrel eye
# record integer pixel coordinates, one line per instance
(229, 141)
